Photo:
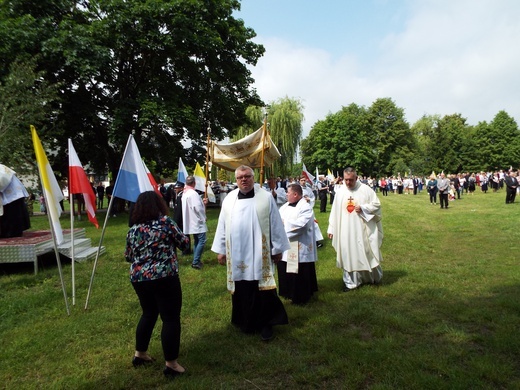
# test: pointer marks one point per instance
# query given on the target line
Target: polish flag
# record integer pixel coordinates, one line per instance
(307, 174)
(79, 184)
(152, 180)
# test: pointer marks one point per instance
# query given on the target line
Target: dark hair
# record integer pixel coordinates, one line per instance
(149, 206)
(296, 188)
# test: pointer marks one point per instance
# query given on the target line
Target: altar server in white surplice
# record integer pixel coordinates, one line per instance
(356, 232)
(307, 192)
(296, 272)
(250, 239)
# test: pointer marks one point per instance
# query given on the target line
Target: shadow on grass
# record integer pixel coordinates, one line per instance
(46, 262)
(336, 284)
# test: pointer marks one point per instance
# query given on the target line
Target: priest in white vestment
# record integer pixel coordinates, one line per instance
(250, 239)
(296, 272)
(356, 232)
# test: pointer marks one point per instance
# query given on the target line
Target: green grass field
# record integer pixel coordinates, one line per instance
(447, 315)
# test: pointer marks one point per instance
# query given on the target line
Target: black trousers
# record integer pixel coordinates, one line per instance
(161, 296)
(433, 195)
(510, 195)
(323, 201)
(444, 199)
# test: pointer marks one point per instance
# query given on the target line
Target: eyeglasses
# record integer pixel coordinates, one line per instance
(246, 177)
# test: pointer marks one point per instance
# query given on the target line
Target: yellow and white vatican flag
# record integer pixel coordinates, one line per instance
(200, 183)
(52, 195)
(51, 189)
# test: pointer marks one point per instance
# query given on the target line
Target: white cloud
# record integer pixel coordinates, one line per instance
(450, 57)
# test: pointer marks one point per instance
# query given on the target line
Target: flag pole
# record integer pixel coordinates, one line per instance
(207, 162)
(56, 253)
(98, 251)
(60, 270)
(50, 209)
(71, 202)
(104, 227)
(264, 137)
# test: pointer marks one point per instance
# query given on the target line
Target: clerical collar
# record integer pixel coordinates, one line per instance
(293, 204)
(248, 195)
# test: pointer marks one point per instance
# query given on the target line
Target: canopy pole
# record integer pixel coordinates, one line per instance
(207, 161)
(264, 137)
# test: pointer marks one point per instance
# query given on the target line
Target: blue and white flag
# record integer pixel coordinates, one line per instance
(132, 178)
(182, 173)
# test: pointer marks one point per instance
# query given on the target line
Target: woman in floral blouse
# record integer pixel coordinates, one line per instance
(151, 246)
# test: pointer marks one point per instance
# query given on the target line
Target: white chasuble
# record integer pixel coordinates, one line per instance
(357, 237)
(249, 231)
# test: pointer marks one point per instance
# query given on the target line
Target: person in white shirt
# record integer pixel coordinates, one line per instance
(194, 220)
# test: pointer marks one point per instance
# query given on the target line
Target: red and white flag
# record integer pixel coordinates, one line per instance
(307, 174)
(79, 184)
(152, 180)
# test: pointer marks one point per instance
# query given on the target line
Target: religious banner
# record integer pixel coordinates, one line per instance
(246, 151)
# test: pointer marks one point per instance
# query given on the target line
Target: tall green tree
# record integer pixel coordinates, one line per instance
(341, 139)
(503, 142)
(285, 119)
(391, 137)
(25, 99)
(445, 142)
(160, 70)
(374, 140)
(422, 129)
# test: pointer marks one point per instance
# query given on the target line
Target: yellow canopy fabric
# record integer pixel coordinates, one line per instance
(246, 151)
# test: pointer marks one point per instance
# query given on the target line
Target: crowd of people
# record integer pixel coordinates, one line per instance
(268, 239)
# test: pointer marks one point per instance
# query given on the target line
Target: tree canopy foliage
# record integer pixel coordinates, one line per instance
(96, 71)
(160, 70)
(373, 139)
(378, 141)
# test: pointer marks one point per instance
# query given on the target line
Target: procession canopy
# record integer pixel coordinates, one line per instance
(246, 151)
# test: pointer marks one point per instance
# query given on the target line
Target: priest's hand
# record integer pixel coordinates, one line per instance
(330, 236)
(276, 258)
(221, 259)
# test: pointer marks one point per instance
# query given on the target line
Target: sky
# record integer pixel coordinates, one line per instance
(429, 56)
